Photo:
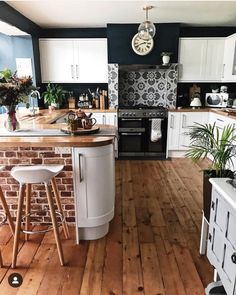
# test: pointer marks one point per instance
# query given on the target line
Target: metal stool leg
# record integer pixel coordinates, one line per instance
(54, 222)
(18, 224)
(58, 202)
(1, 262)
(27, 210)
(7, 212)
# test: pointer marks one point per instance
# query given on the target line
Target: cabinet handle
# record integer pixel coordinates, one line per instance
(80, 168)
(72, 71)
(184, 121)
(233, 258)
(223, 71)
(209, 237)
(103, 119)
(220, 120)
(115, 120)
(123, 119)
(213, 205)
(77, 71)
(172, 121)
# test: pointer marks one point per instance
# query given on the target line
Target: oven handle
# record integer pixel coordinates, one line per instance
(123, 119)
(155, 118)
(131, 133)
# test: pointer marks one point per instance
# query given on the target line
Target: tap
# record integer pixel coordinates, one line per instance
(34, 94)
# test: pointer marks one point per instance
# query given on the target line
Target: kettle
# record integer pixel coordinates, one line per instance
(81, 116)
(196, 102)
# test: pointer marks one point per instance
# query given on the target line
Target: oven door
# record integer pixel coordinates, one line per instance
(156, 148)
(130, 123)
(131, 143)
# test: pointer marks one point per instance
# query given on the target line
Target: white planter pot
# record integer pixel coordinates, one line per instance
(165, 59)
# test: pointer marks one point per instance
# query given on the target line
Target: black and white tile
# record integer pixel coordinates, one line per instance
(113, 85)
(151, 88)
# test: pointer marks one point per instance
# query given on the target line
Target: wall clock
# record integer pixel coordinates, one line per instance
(140, 46)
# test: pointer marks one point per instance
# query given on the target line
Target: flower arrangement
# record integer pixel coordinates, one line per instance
(165, 53)
(14, 90)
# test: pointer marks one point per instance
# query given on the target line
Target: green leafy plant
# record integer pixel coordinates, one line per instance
(54, 94)
(207, 139)
(166, 53)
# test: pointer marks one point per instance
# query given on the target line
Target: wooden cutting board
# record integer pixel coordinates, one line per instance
(81, 131)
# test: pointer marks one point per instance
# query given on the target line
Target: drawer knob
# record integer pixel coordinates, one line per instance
(233, 258)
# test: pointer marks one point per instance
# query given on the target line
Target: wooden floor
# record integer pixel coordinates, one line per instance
(152, 246)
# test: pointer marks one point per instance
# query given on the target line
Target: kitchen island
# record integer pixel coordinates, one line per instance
(87, 183)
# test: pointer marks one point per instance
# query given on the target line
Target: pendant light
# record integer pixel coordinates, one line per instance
(147, 29)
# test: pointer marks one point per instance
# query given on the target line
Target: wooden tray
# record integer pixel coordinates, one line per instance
(81, 131)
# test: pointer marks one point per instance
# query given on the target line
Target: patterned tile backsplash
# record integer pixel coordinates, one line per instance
(113, 85)
(152, 87)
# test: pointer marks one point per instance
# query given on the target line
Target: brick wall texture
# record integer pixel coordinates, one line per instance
(10, 157)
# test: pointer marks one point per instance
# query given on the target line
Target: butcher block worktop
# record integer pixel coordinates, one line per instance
(230, 113)
(44, 121)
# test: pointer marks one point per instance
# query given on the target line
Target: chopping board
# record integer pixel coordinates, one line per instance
(81, 131)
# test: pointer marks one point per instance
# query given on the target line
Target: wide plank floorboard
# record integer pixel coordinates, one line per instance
(152, 247)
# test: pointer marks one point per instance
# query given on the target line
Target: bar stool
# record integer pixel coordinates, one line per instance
(7, 215)
(26, 176)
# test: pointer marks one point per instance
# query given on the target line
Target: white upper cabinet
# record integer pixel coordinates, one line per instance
(229, 72)
(201, 59)
(74, 60)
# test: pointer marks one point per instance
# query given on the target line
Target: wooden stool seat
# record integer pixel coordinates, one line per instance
(26, 176)
(7, 215)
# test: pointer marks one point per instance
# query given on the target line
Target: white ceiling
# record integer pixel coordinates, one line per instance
(96, 13)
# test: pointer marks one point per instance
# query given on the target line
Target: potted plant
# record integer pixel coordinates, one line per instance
(166, 57)
(54, 96)
(208, 140)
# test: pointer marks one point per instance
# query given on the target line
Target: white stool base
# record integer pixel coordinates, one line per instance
(93, 233)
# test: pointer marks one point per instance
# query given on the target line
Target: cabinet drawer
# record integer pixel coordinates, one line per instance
(221, 209)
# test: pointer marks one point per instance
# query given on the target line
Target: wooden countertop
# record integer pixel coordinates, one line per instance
(44, 121)
(211, 110)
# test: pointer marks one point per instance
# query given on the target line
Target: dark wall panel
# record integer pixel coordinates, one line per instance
(74, 33)
(207, 31)
(120, 49)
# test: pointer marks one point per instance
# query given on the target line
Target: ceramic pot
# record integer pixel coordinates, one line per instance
(11, 123)
(165, 59)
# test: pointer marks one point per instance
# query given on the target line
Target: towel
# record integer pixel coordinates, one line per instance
(156, 130)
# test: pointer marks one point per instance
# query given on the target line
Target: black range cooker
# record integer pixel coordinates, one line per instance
(135, 126)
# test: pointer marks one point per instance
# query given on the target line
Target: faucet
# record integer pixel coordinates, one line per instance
(34, 94)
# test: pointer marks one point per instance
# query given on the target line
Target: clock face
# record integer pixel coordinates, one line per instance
(140, 46)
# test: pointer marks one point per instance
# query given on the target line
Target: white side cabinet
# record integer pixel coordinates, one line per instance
(94, 189)
(221, 248)
(201, 59)
(178, 125)
(74, 60)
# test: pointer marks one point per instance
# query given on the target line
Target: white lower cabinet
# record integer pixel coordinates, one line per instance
(94, 190)
(106, 118)
(221, 248)
(178, 126)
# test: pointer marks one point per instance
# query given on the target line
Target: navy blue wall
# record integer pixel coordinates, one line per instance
(120, 49)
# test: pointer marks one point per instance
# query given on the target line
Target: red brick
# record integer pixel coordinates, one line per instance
(42, 149)
(69, 207)
(2, 180)
(70, 219)
(11, 181)
(38, 187)
(66, 155)
(66, 194)
(11, 194)
(67, 181)
(10, 154)
(69, 188)
(4, 161)
(68, 161)
(27, 154)
(6, 187)
(36, 161)
(61, 187)
(68, 168)
(70, 213)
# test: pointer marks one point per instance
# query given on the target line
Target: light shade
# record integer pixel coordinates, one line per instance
(146, 30)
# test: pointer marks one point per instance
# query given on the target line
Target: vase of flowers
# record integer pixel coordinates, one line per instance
(13, 90)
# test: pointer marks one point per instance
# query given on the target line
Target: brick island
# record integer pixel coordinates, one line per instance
(87, 182)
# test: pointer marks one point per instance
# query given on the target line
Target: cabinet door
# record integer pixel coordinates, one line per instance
(229, 73)
(173, 130)
(56, 57)
(111, 119)
(100, 117)
(214, 59)
(192, 59)
(91, 63)
(189, 119)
